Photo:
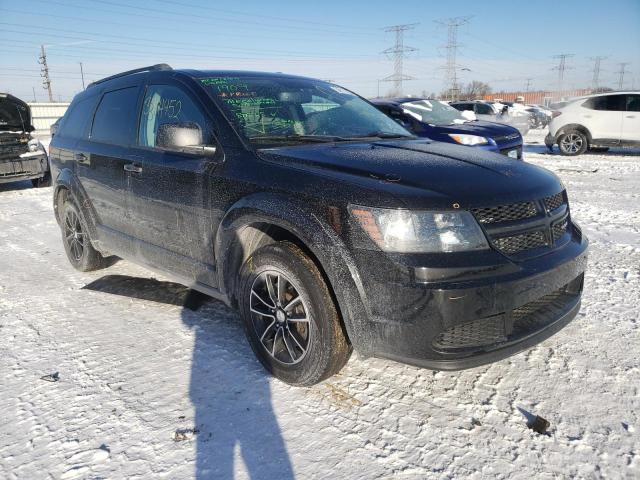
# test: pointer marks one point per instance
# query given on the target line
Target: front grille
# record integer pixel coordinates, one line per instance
(12, 151)
(522, 241)
(554, 201)
(511, 326)
(503, 213)
(503, 138)
(558, 229)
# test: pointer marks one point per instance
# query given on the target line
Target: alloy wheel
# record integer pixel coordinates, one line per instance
(280, 317)
(572, 143)
(73, 234)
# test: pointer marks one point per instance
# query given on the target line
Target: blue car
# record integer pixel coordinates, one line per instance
(438, 121)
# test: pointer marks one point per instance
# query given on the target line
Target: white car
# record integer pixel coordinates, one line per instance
(596, 122)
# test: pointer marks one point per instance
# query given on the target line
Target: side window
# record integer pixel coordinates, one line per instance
(612, 103)
(76, 121)
(115, 118)
(168, 104)
(633, 103)
(483, 109)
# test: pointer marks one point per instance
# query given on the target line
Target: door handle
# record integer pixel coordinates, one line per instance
(81, 158)
(131, 167)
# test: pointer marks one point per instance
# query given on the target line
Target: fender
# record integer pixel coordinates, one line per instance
(317, 235)
(66, 179)
(573, 126)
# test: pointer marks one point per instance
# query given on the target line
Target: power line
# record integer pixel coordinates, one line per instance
(46, 81)
(399, 52)
(451, 67)
(561, 67)
(595, 83)
(621, 72)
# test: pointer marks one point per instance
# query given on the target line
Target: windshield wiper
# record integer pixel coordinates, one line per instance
(383, 135)
(299, 138)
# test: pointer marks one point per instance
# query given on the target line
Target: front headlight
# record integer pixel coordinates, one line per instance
(464, 139)
(408, 231)
(34, 145)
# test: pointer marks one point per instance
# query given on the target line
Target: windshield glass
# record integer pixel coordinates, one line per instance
(433, 112)
(285, 110)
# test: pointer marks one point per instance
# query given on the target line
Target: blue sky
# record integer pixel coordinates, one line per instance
(504, 42)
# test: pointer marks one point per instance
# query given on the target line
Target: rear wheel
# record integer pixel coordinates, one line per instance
(77, 243)
(289, 316)
(573, 142)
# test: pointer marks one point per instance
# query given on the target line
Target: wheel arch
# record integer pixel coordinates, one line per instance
(574, 126)
(264, 218)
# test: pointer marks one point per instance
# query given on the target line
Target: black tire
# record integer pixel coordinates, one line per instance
(572, 143)
(42, 181)
(306, 352)
(76, 241)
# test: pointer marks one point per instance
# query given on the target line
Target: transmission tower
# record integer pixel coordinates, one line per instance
(44, 72)
(398, 53)
(595, 83)
(451, 67)
(621, 72)
(561, 67)
(526, 88)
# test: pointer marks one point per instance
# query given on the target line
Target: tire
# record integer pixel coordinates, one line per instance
(572, 143)
(297, 352)
(42, 182)
(76, 241)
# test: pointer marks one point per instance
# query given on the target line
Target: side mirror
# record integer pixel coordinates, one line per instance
(183, 137)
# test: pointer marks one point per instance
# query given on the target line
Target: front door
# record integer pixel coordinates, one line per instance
(169, 191)
(603, 117)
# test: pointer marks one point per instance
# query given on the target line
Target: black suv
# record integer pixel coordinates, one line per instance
(327, 224)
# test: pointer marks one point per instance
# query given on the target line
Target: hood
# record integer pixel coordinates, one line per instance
(439, 173)
(478, 127)
(14, 114)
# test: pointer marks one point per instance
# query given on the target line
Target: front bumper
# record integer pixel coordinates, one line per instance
(509, 150)
(450, 318)
(24, 167)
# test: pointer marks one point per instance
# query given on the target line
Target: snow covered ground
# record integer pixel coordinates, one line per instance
(149, 389)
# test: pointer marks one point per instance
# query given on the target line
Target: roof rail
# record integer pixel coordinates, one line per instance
(152, 68)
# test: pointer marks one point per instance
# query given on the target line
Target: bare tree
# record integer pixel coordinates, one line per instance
(475, 90)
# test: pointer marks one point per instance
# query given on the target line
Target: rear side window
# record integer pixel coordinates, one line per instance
(77, 120)
(611, 103)
(483, 109)
(115, 118)
(633, 103)
(168, 104)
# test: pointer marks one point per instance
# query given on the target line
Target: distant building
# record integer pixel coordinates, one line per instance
(540, 97)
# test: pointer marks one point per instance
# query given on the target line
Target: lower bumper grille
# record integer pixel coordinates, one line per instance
(493, 332)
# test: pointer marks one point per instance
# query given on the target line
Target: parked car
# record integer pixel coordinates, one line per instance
(596, 122)
(538, 117)
(328, 225)
(437, 120)
(22, 157)
(494, 112)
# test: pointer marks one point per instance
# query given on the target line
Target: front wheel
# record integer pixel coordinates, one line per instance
(573, 143)
(290, 317)
(42, 181)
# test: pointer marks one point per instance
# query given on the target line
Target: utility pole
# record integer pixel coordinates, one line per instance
(526, 88)
(621, 72)
(561, 67)
(44, 72)
(81, 74)
(34, 94)
(398, 52)
(451, 80)
(595, 83)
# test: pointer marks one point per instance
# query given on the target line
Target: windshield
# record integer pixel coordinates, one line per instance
(285, 110)
(433, 112)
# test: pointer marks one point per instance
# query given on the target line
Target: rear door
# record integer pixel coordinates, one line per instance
(603, 117)
(631, 120)
(101, 160)
(169, 191)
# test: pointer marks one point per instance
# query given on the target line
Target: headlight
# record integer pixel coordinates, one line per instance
(463, 139)
(420, 231)
(34, 145)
